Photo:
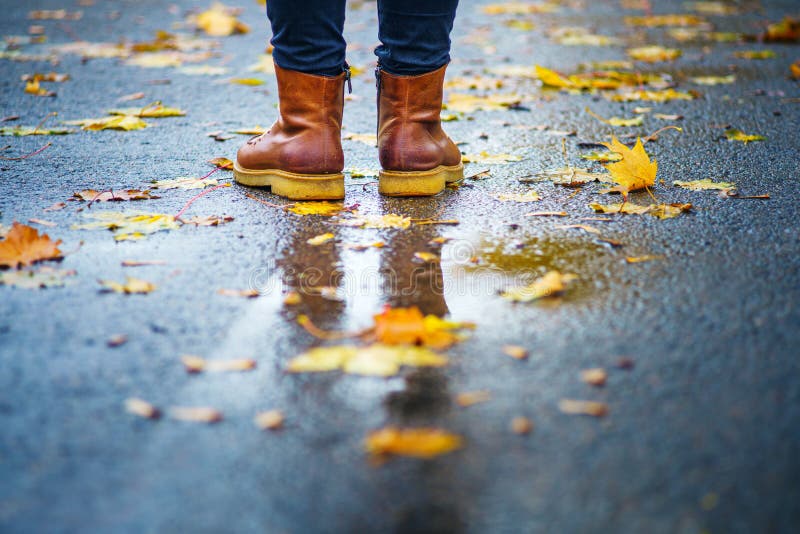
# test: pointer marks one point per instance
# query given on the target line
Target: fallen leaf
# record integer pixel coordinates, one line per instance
(196, 364)
(529, 196)
(653, 53)
(265, 64)
(468, 103)
(713, 80)
(704, 185)
(324, 208)
(23, 245)
(603, 157)
(196, 414)
(208, 220)
(489, 159)
(754, 54)
(131, 97)
(22, 131)
(355, 172)
(785, 31)
(665, 95)
(738, 135)
(141, 408)
(642, 259)
(515, 351)
(581, 407)
(658, 21)
(661, 211)
(247, 81)
(471, 398)
(572, 176)
(131, 286)
(184, 183)
(114, 122)
(408, 326)
(617, 121)
(56, 207)
(219, 21)
(129, 225)
(34, 88)
(246, 293)
(258, 130)
(222, 163)
(141, 263)
(154, 111)
(390, 220)
(269, 420)
(634, 171)
(42, 222)
(422, 443)
(547, 214)
(117, 340)
(373, 360)
(521, 425)
(594, 377)
(203, 70)
(549, 285)
(320, 239)
(664, 117)
(117, 196)
(40, 278)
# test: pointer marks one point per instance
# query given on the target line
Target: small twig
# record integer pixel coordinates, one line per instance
(364, 186)
(270, 204)
(41, 123)
(26, 156)
(191, 200)
(653, 136)
(317, 332)
(94, 198)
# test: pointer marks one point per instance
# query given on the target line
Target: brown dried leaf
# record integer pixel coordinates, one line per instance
(595, 377)
(196, 414)
(269, 420)
(582, 407)
(141, 408)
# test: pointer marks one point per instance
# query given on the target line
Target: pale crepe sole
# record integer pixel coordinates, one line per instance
(418, 183)
(291, 185)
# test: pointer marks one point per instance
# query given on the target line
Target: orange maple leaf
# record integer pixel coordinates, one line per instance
(407, 326)
(24, 246)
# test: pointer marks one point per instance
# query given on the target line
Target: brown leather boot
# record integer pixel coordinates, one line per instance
(300, 157)
(417, 157)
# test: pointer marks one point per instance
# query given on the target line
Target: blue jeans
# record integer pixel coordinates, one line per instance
(414, 35)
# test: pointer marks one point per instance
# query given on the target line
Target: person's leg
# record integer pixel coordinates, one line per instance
(417, 158)
(307, 36)
(414, 35)
(300, 157)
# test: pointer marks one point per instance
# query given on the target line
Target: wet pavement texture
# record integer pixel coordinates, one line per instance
(702, 434)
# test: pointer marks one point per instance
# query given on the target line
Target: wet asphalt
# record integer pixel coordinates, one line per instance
(702, 434)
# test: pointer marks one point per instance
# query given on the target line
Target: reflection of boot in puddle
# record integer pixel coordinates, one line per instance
(410, 280)
(313, 271)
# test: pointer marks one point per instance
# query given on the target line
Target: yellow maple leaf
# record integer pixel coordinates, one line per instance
(23, 245)
(373, 360)
(131, 286)
(634, 171)
(416, 442)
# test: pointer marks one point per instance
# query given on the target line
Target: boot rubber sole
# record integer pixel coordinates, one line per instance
(292, 185)
(418, 183)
